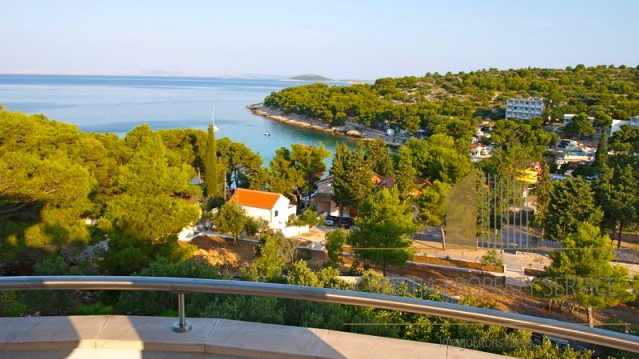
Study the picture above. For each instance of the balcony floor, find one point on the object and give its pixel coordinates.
(124, 337)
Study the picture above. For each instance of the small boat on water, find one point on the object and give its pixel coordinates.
(267, 134)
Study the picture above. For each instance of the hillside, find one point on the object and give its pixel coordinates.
(309, 77)
(434, 100)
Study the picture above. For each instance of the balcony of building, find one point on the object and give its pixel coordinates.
(123, 337)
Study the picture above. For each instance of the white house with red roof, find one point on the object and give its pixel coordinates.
(275, 208)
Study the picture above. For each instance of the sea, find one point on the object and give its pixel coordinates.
(117, 104)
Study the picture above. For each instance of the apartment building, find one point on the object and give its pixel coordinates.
(524, 108)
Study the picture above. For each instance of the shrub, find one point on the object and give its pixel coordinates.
(492, 258)
(309, 217)
(97, 308)
(10, 306)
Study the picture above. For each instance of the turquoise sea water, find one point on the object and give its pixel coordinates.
(119, 103)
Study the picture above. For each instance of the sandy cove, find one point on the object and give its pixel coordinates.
(350, 129)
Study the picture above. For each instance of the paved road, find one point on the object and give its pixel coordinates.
(517, 238)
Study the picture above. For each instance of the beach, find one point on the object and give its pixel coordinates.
(349, 129)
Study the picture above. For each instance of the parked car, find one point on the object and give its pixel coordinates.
(345, 222)
(330, 221)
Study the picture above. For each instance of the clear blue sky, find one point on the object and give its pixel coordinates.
(340, 39)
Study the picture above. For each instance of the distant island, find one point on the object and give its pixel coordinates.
(310, 77)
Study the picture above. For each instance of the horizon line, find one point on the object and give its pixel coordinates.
(168, 74)
(163, 73)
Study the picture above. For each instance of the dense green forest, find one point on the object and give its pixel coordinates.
(440, 103)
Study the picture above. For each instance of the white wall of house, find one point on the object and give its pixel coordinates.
(616, 124)
(258, 213)
(280, 213)
(278, 216)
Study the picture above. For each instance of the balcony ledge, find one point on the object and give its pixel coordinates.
(125, 337)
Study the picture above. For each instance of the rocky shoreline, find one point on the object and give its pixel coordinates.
(350, 129)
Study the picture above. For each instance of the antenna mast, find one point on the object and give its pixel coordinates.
(213, 119)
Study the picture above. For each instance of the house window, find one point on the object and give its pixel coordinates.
(276, 212)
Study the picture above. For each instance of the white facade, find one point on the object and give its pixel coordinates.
(524, 108)
(276, 216)
(616, 124)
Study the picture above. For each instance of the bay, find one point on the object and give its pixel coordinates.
(117, 104)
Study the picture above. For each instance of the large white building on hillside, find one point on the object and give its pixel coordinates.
(524, 108)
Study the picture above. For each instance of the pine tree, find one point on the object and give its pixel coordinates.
(604, 197)
(571, 203)
(352, 177)
(271, 258)
(586, 274)
(384, 221)
(339, 171)
(379, 157)
(335, 241)
(432, 203)
(212, 181)
(625, 199)
(601, 157)
(618, 197)
(406, 172)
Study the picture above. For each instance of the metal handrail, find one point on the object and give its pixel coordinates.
(182, 286)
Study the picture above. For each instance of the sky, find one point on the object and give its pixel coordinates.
(344, 39)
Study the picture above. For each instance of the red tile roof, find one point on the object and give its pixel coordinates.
(258, 199)
(379, 181)
(383, 182)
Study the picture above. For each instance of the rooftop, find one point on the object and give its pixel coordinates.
(378, 180)
(526, 99)
(257, 199)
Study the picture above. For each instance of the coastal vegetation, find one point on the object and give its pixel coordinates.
(62, 189)
(453, 103)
